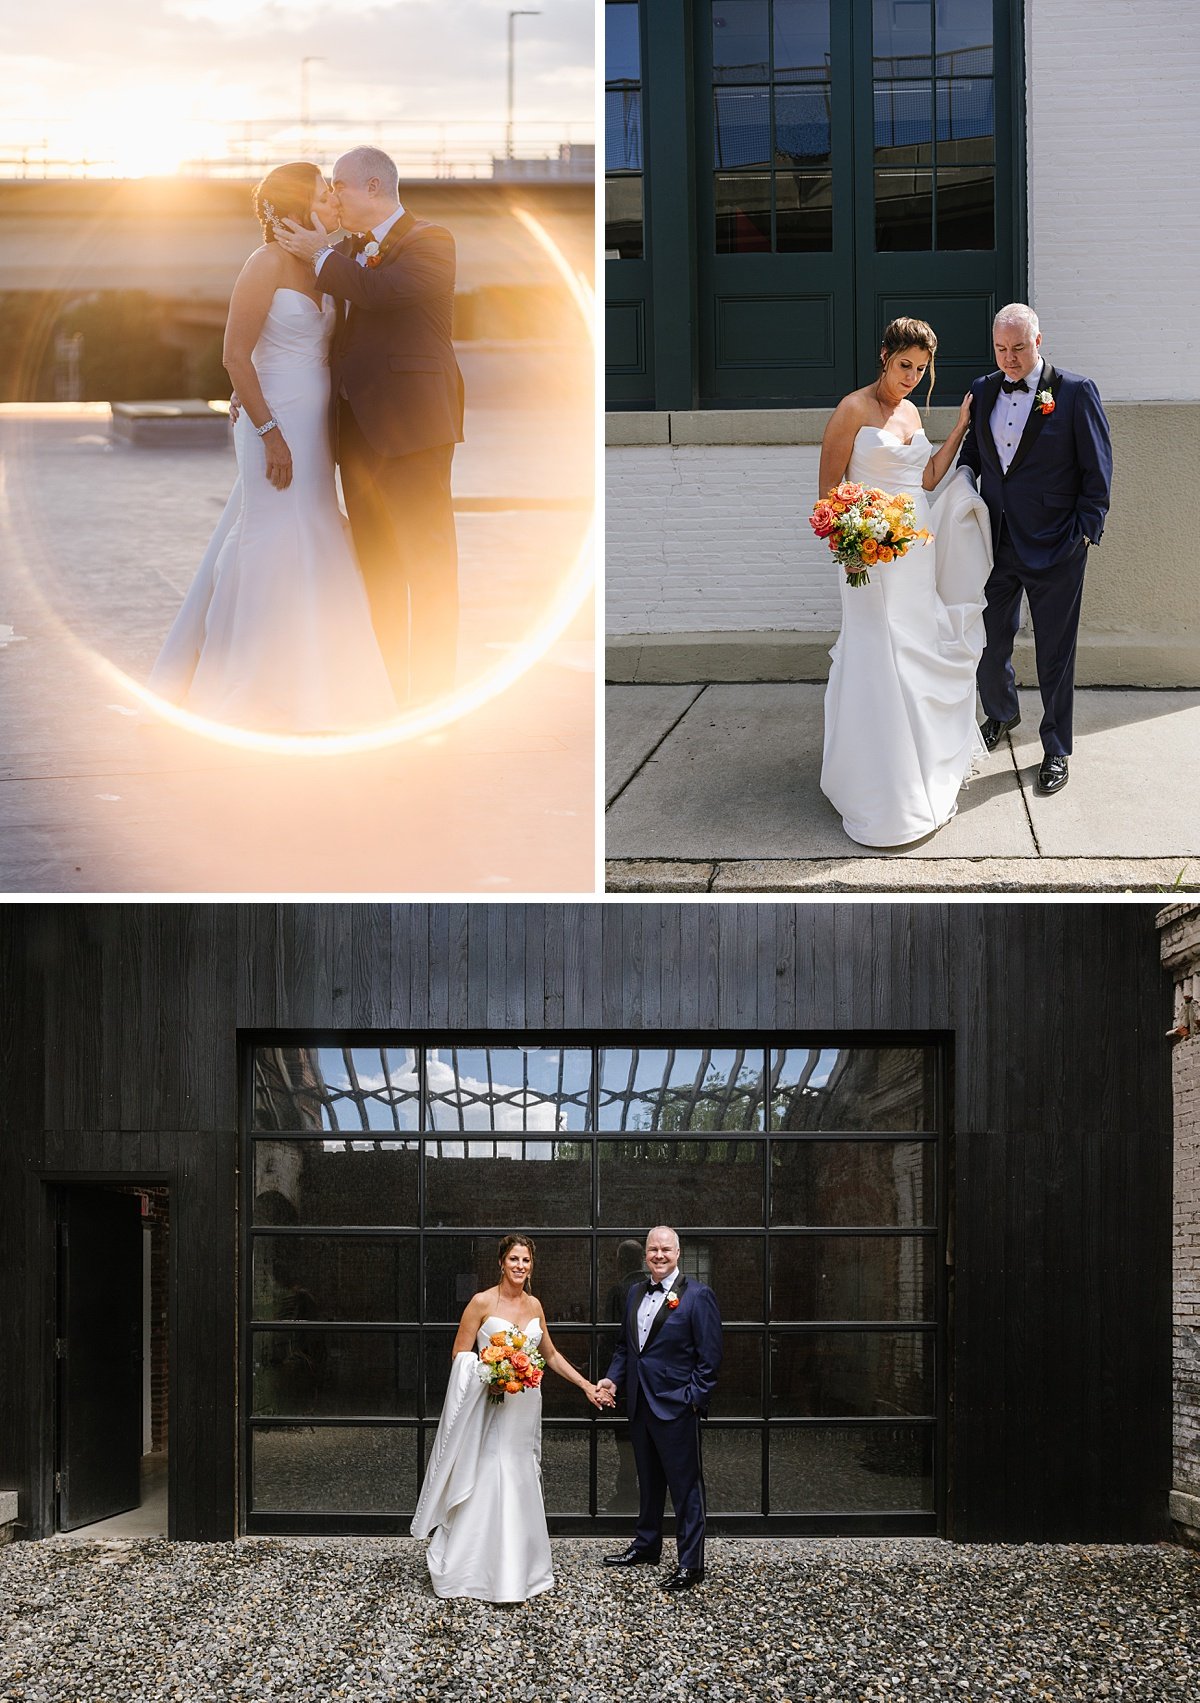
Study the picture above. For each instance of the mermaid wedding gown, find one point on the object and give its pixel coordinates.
(275, 631)
(481, 1503)
(900, 730)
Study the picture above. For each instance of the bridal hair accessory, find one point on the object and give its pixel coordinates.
(507, 1366)
(1045, 401)
(273, 219)
(865, 526)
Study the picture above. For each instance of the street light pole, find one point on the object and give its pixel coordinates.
(508, 133)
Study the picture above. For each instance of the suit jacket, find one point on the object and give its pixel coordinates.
(1056, 490)
(393, 351)
(677, 1369)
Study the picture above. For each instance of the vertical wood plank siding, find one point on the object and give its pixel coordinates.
(119, 1031)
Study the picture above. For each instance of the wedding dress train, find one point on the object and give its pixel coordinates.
(481, 1503)
(901, 736)
(275, 631)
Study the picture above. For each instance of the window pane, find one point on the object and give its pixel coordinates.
(964, 27)
(622, 48)
(833, 1374)
(903, 34)
(680, 1088)
(738, 1394)
(335, 1182)
(854, 1088)
(743, 220)
(966, 214)
(903, 122)
(333, 1372)
(356, 1469)
(801, 127)
(740, 41)
(457, 1267)
(624, 236)
(684, 1182)
(803, 213)
(732, 1266)
(852, 1277)
(616, 1471)
(732, 1470)
(327, 1277)
(965, 109)
(466, 1181)
(853, 1182)
(801, 41)
(622, 129)
(741, 128)
(509, 1088)
(335, 1088)
(852, 1469)
(566, 1470)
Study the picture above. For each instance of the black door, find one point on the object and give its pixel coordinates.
(100, 1355)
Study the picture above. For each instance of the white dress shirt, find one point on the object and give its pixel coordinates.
(378, 232)
(648, 1311)
(1011, 415)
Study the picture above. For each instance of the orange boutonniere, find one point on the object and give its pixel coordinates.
(372, 253)
(672, 1300)
(1045, 401)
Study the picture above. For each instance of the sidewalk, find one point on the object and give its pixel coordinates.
(98, 543)
(716, 788)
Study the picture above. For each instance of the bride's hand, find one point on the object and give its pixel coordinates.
(964, 414)
(279, 459)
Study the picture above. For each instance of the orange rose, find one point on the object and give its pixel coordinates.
(512, 1388)
(497, 1339)
(534, 1377)
(886, 554)
(822, 520)
(520, 1363)
(491, 1355)
(848, 493)
(869, 550)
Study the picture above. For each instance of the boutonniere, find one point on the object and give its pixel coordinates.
(1045, 401)
(672, 1299)
(371, 251)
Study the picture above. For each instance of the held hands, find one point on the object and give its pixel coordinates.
(304, 241)
(604, 1393)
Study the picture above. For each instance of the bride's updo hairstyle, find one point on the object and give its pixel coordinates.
(508, 1243)
(288, 191)
(909, 334)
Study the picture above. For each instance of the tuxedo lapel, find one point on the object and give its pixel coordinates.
(660, 1318)
(1033, 425)
(987, 402)
(387, 248)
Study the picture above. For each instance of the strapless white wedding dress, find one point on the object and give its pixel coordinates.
(275, 632)
(481, 1503)
(900, 729)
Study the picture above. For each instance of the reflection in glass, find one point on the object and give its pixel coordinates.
(741, 128)
(852, 1278)
(335, 1372)
(457, 1267)
(836, 1374)
(743, 215)
(335, 1182)
(903, 122)
(510, 1182)
(509, 1088)
(903, 211)
(965, 27)
(623, 218)
(801, 41)
(616, 1471)
(801, 127)
(335, 1088)
(566, 1470)
(853, 1469)
(622, 130)
(680, 1088)
(854, 1088)
(333, 1469)
(853, 1182)
(965, 110)
(903, 36)
(965, 207)
(622, 46)
(688, 1182)
(732, 1266)
(740, 41)
(330, 1277)
(738, 1393)
(803, 213)
(732, 1470)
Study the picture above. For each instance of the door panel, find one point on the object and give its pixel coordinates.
(100, 1366)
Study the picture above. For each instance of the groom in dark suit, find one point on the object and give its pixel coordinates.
(1038, 444)
(397, 413)
(666, 1363)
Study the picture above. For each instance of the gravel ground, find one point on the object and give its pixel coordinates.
(839, 1620)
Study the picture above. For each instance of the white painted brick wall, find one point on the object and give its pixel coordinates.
(1114, 213)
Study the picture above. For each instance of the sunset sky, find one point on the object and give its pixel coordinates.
(144, 80)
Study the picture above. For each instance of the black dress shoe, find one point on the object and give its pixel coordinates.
(1052, 776)
(993, 731)
(632, 1557)
(683, 1579)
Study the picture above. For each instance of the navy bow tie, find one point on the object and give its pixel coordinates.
(1009, 385)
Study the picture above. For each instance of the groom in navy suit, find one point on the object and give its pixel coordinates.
(1039, 446)
(666, 1363)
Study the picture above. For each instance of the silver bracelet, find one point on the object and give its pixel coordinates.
(272, 425)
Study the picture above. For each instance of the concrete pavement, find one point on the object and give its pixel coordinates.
(716, 788)
(99, 541)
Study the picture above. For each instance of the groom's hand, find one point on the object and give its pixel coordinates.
(304, 241)
(606, 1393)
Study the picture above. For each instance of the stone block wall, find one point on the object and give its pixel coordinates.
(1180, 926)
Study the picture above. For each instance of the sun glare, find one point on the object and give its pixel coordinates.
(136, 132)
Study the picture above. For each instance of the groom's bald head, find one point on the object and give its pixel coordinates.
(367, 187)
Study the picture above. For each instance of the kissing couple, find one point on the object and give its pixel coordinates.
(339, 350)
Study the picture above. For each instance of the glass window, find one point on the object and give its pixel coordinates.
(741, 37)
(685, 1182)
(624, 152)
(335, 1088)
(854, 1088)
(853, 1183)
(334, 1469)
(335, 1182)
(733, 1470)
(335, 1277)
(732, 1266)
(851, 1277)
(851, 1469)
(566, 1469)
(335, 1373)
(507, 1180)
(851, 1373)
(457, 1267)
(671, 1089)
(525, 1090)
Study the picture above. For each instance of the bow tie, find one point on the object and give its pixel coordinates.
(1009, 385)
(656, 1289)
(358, 243)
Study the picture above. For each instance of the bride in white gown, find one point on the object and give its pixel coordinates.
(481, 1503)
(275, 631)
(900, 727)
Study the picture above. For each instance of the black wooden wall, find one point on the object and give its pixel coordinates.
(119, 1053)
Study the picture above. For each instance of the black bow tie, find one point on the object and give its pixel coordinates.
(357, 244)
(1009, 385)
(656, 1289)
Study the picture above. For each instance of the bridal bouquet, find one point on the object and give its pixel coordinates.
(865, 526)
(507, 1365)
